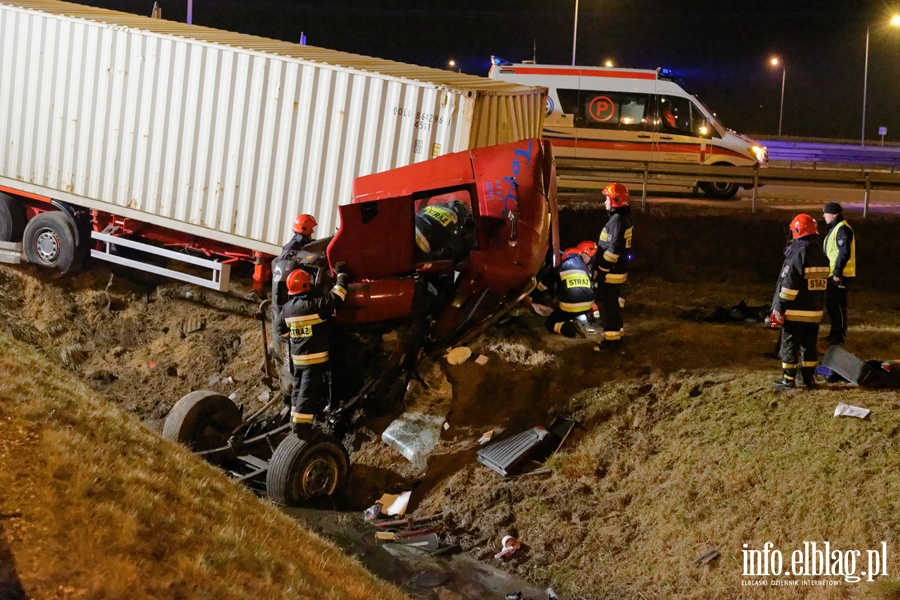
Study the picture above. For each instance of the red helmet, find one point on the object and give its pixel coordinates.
(588, 247)
(803, 225)
(298, 282)
(617, 194)
(571, 252)
(304, 224)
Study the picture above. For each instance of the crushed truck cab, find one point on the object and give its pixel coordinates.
(510, 192)
(437, 251)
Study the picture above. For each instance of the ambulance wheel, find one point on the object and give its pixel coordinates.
(202, 420)
(306, 468)
(12, 219)
(720, 190)
(49, 242)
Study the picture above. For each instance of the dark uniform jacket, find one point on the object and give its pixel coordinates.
(305, 318)
(294, 245)
(574, 290)
(800, 292)
(444, 231)
(611, 259)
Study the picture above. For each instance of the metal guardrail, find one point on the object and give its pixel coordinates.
(577, 173)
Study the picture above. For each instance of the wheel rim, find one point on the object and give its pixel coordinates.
(721, 187)
(47, 244)
(318, 477)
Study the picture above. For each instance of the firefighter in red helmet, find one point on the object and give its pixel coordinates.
(305, 322)
(573, 293)
(303, 228)
(611, 264)
(798, 302)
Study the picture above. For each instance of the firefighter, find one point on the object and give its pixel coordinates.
(797, 304)
(444, 230)
(304, 227)
(573, 293)
(305, 323)
(840, 248)
(611, 264)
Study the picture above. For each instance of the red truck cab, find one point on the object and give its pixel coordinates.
(510, 192)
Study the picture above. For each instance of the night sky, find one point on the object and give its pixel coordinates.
(719, 48)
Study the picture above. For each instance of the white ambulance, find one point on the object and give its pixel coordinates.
(632, 114)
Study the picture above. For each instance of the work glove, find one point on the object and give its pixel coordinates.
(776, 319)
(340, 267)
(343, 280)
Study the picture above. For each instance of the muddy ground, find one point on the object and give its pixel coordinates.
(144, 344)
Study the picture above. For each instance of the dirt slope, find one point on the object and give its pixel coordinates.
(656, 473)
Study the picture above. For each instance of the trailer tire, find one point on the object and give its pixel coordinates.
(202, 420)
(49, 243)
(12, 219)
(303, 469)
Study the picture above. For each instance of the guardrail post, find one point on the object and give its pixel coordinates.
(755, 186)
(644, 187)
(866, 197)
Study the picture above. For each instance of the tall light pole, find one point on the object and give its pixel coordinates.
(575, 33)
(775, 62)
(895, 21)
(190, 14)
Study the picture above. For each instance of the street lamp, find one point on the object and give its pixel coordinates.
(190, 12)
(608, 63)
(575, 33)
(452, 65)
(895, 21)
(775, 62)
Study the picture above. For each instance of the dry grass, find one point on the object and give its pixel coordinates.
(92, 505)
(668, 467)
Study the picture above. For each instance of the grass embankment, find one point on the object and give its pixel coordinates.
(669, 467)
(92, 505)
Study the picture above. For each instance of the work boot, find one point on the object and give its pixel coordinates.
(608, 346)
(787, 380)
(580, 328)
(809, 377)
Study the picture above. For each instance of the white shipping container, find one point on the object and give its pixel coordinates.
(218, 134)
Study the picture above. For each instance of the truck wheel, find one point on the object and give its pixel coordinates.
(303, 469)
(12, 219)
(202, 420)
(719, 190)
(49, 243)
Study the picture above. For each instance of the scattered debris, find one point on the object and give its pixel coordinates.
(871, 373)
(394, 504)
(508, 546)
(551, 594)
(414, 435)
(507, 456)
(485, 437)
(408, 522)
(846, 410)
(739, 313)
(706, 558)
(458, 355)
(191, 326)
(372, 512)
(481, 360)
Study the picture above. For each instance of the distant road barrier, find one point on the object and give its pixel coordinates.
(848, 154)
(575, 173)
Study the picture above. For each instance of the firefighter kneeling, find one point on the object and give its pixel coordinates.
(305, 322)
(799, 298)
(574, 293)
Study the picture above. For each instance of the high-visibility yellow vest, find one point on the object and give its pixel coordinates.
(831, 250)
